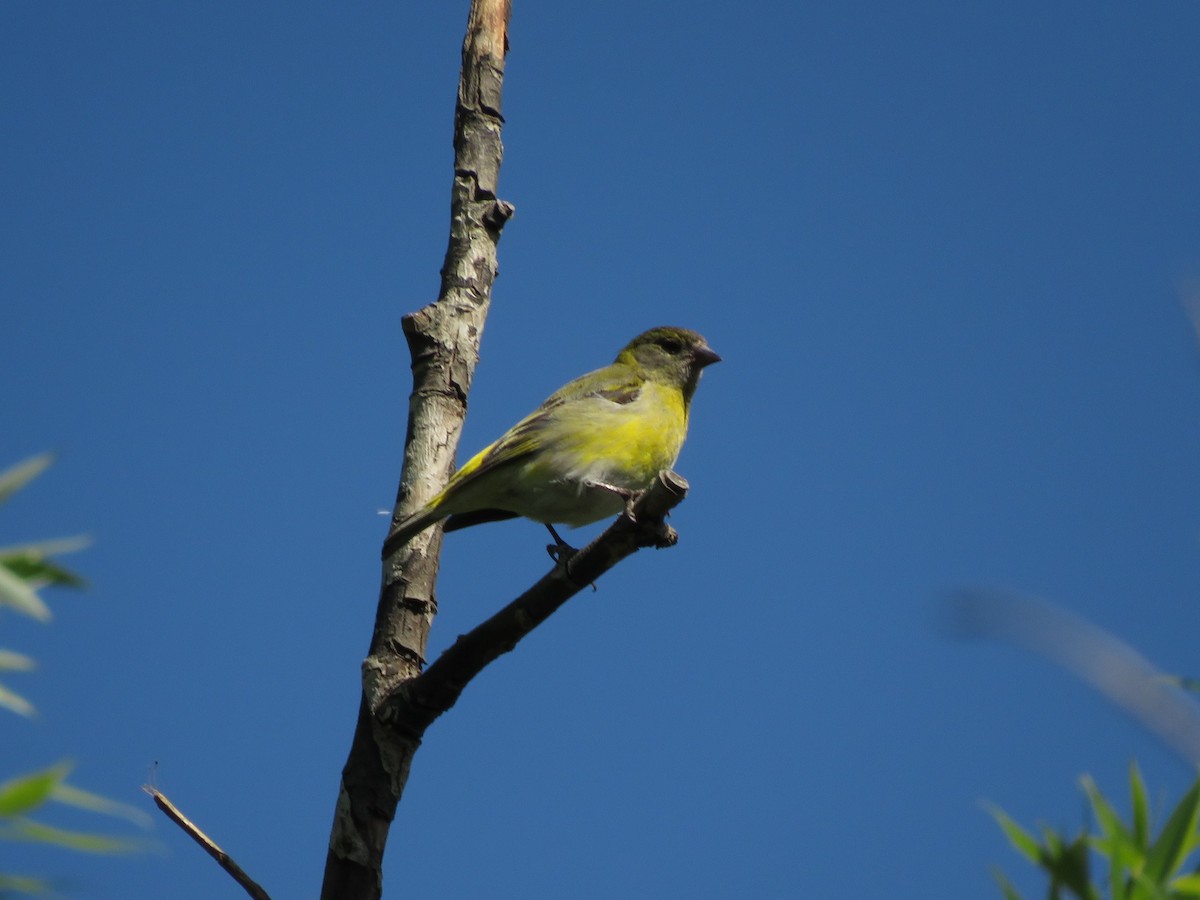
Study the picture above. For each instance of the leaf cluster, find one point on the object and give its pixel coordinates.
(1137, 864)
(26, 569)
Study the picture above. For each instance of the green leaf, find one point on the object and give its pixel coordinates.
(1024, 842)
(1006, 886)
(23, 884)
(12, 480)
(1055, 848)
(1183, 682)
(26, 792)
(72, 796)
(11, 661)
(1070, 867)
(47, 548)
(36, 832)
(1170, 849)
(20, 596)
(1118, 845)
(1110, 822)
(1145, 889)
(1141, 809)
(41, 572)
(1118, 858)
(1187, 885)
(14, 702)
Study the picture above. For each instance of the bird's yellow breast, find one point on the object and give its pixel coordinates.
(625, 444)
(571, 453)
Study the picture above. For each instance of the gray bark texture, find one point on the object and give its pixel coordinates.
(401, 697)
(443, 339)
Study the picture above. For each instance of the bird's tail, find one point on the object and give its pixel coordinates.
(410, 528)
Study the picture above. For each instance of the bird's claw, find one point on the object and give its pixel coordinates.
(559, 547)
(562, 553)
(630, 497)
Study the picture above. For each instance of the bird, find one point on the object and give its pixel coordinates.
(586, 452)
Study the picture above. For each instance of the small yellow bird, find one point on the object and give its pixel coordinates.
(586, 451)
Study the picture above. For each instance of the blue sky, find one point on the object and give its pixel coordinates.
(941, 253)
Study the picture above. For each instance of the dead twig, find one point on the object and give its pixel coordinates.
(249, 885)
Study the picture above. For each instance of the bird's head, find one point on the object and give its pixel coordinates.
(673, 355)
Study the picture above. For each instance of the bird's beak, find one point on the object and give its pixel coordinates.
(705, 356)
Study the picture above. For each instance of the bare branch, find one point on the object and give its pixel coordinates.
(417, 703)
(398, 701)
(249, 885)
(443, 340)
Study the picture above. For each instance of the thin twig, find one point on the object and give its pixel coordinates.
(223, 859)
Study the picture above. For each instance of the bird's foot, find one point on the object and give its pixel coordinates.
(561, 552)
(630, 497)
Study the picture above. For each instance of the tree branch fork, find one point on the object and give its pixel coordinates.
(409, 706)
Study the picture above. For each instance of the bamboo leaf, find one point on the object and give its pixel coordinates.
(1024, 842)
(40, 572)
(72, 796)
(1141, 808)
(1171, 847)
(1117, 853)
(14, 702)
(36, 832)
(1006, 887)
(16, 477)
(23, 884)
(1187, 885)
(11, 661)
(26, 792)
(16, 593)
(1118, 844)
(1184, 683)
(1070, 867)
(1110, 822)
(46, 548)
(1145, 889)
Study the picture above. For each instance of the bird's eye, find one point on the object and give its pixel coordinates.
(670, 344)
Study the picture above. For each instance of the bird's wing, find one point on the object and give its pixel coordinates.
(619, 384)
